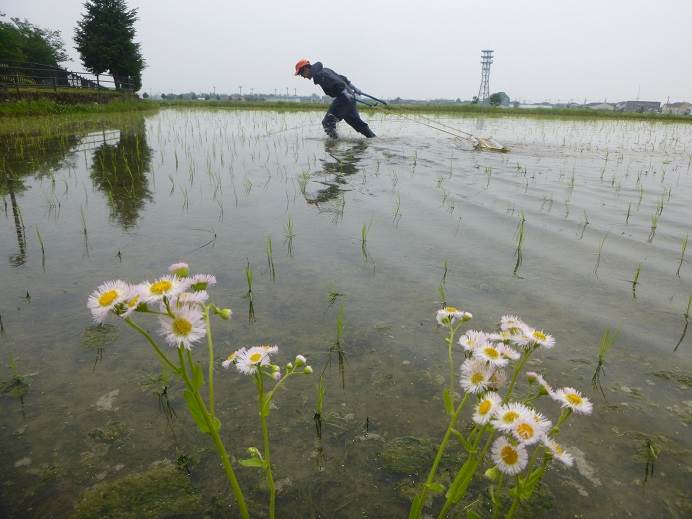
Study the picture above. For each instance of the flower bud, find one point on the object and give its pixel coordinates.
(224, 313)
(289, 366)
(300, 361)
(276, 376)
(307, 370)
(492, 474)
(180, 270)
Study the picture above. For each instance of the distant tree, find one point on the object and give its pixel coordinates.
(163, 96)
(23, 41)
(499, 98)
(474, 101)
(105, 41)
(145, 96)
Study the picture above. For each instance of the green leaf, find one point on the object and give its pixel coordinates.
(447, 398)
(197, 413)
(416, 507)
(436, 488)
(197, 376)
(473, 515)
(529, 485)
(462, 480)
(252, 462)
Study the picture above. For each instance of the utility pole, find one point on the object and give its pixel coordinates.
(286, 91)
(240, 87)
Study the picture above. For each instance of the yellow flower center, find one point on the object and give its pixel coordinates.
(491, 352)
(539, 335)
(161, 287)
(509, 455)
(525, 431)
(559, 449)
(133, 302)
(107, 298)
(451, 309)
(574, 398)
(181, 326)
(232, 356)
(477, 378)
(484, 407)
(510, 416)
(255, 357)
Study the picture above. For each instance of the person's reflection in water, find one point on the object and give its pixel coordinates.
(119, 170)
(341, 161)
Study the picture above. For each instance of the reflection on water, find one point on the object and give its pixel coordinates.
(98, 408)
(119, 171)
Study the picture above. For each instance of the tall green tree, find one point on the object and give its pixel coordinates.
(105, 40)
(23, 41)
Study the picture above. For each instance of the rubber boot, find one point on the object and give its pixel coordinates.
(329, 125)
(368, 133)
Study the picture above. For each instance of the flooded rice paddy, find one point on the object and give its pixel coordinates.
(606, 207)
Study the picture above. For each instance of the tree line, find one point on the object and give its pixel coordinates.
(104, 38)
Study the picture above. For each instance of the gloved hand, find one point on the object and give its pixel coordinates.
(355, 89)
(346, 92)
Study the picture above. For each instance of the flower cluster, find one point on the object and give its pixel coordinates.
(257, 359)
(177, 298)
(484, 372)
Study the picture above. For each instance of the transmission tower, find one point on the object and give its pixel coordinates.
(484, 90)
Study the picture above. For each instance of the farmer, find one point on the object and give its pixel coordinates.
(344, 94)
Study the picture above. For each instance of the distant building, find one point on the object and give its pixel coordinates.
(638, 106)
(600, 106)
(682, 108)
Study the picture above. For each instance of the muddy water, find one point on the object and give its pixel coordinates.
(210, 187)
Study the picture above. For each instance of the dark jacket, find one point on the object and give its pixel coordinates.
(331, 82)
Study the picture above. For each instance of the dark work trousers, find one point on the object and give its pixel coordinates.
(344, 108)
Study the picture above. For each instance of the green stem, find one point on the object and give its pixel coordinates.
(441, 449)
(153, 344)
(214, 433)
(497, 501)
(450, 343)
(210, 347)
(265, 440)
(524, 357)
(515, 502)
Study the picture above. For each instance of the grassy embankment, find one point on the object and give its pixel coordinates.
(446, 109)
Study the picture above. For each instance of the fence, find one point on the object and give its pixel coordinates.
(19, 76)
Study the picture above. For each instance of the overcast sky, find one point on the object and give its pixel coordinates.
(544, 49)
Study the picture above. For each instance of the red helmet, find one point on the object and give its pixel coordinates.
(299, 66)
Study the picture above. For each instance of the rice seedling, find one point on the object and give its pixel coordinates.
(397, 209)
(683, 249)
(598, 255)
(319, 407)
(654, 224)
(607, 342)
(303, 180)
(629, 211)
(635, 280)
(2, 326)
(649, 452)
(441, 290)
(15, 385)
(585, 223)
(520, 242)
(364, 230)
(43, 249)
(289, 234)
(249, 277)
(686, 316)
(337, 347)
(270, 259)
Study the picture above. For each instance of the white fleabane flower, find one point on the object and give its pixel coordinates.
(166, 286)
(540, 338)
(570, 397)
(249, 360)
(475, 375)
(526, 429)
(232, 358)
(486, 407)
(557, 451)
(512, 324)
(537, 378)
(181, 269)
(491, 354)
(183, 329)
(202, 281)
(510, 459)
(105, 298)
(450, 315)
(133, 298)
(472, 339)
(497, 379)
(191, 298)
(507, 414)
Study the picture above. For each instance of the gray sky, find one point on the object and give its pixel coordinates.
(544, 49)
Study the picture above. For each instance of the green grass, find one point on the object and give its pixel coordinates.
(34, 107)
(451, 109)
